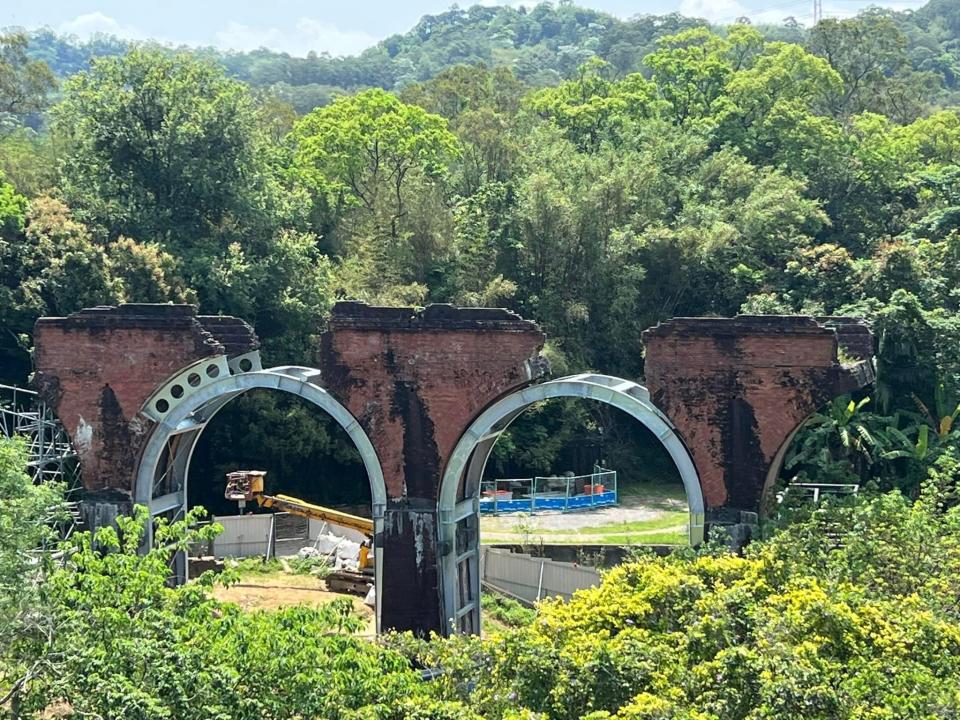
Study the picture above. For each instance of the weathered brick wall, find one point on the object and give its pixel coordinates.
(736, 389)
(415, 380)
(97, 367)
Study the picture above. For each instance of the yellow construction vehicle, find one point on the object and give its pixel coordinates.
(244, 486)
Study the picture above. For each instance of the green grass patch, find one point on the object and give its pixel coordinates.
(667, 519)
(658, 538)
(256, 570)
(506, 611)
(654, 494)
(614, 538)
(310, 565)
(255, 566)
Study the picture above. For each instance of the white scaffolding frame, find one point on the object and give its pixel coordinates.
(50, 456)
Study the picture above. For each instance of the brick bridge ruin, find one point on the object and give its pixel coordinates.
(424, 394)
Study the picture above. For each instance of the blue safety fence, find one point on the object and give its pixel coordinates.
(557, 493)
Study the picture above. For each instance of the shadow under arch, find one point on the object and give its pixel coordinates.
(459, 496)
(161, 477)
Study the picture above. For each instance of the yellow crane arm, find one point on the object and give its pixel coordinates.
(246, 485)
(296, 506)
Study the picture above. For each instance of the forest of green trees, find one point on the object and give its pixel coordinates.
(595, 174)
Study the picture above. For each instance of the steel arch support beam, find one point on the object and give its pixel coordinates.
(196, 410)
(469, 457)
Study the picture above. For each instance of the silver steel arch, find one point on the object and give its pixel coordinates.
(161, 479)
(459, 503)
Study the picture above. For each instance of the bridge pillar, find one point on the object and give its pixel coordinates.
(97, 367)
(415, 380)
(738, 388)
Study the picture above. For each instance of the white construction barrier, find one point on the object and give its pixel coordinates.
(250, 535)
(533, 578)
(242, 536)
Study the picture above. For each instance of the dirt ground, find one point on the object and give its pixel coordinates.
(276, 590)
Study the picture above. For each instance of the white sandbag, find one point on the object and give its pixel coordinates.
(327, 544)
(344, 554)
(351, 564)
(348, 550)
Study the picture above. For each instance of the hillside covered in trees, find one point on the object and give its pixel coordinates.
(542, 44)
(713, 171)
(595, 174)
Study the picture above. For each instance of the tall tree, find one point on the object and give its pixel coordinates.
(363, 150)
(26, 624)
(159, 147)
(368, 160)
(870, 53)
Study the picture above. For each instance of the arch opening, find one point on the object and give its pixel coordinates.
(595, 474)
(162, 475)
(459, 497)
(303, 451)
(813, 459)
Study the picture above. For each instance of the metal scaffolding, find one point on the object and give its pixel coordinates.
(50, 456)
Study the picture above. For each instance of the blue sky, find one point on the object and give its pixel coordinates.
(298, 26)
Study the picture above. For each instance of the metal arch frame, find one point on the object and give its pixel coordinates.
(190, 416)
(469, 458)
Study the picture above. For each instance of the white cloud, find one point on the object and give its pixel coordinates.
(308, 34)
(511, 3)
(776, 17)
(727, 11)
(844, 11)
(84, 26)
(716, 11)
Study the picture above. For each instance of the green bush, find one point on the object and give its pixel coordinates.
(127, 645)
(863, 623)
(310, 565)
(506, 610)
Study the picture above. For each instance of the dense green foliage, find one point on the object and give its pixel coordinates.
(790, 631)
(594, 174)
(26, 527)
(506, 611)
(849, 611)
(122, 643)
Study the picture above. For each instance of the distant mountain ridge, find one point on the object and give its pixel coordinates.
(543, 45)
